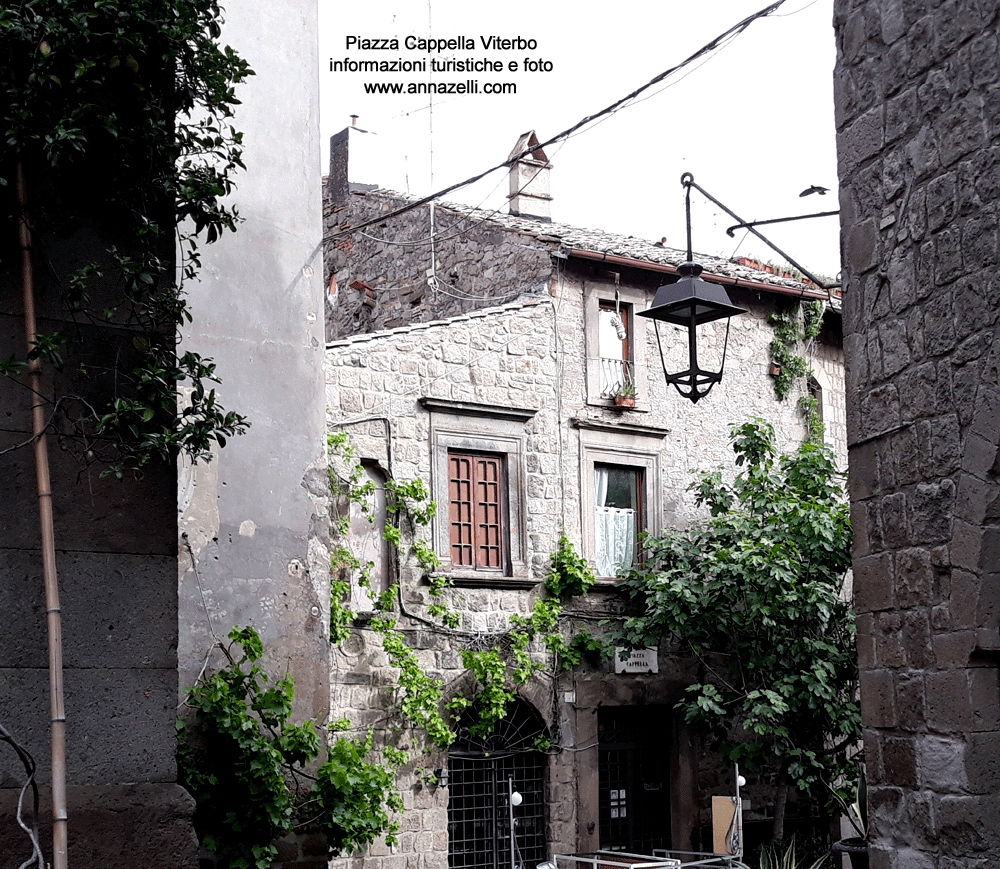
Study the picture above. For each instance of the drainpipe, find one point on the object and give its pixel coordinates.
(58, 711)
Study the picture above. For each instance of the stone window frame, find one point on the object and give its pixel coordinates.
(632, 299)
(468, 427)
(629, 445)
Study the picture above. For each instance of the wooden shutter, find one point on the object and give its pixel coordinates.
(475, 496)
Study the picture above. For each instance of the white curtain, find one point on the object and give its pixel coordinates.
(614, 531)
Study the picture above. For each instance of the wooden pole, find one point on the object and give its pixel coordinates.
(54, 615)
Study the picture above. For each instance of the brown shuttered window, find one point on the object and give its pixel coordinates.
(476, 510)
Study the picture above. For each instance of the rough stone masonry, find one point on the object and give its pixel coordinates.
(917, 89)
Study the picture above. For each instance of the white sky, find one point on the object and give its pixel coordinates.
(754, 123)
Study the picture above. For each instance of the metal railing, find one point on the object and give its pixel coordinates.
(661, 858)
(697, 858)
(614, 860)
(616, 374)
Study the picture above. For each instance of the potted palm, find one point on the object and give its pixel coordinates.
(856, 847)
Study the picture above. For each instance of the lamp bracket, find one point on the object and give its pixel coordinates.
(687, 181)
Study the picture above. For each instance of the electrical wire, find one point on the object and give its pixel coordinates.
(488, 214)
(589, 119)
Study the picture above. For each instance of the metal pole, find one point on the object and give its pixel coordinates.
(58, 711)
(687, 179)
(510, 807)
(738, 820)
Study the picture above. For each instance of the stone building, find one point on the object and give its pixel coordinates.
(918, 103)
(482, 348)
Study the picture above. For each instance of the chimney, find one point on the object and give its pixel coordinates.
(355, 158)
(529, 180)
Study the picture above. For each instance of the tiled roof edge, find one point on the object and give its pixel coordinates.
(567, 236)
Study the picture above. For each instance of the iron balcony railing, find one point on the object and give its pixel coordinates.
(616, 375)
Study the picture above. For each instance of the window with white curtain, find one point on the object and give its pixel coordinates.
(617, 517)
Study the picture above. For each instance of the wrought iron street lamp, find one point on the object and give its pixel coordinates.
(691, 302)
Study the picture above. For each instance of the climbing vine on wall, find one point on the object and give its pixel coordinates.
(497, 670)
(795, 328)
(247, 765)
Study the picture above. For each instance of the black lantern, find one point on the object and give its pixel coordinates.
(690, 302)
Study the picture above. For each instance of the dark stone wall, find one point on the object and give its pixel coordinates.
(370, 274)
(917, 89)
(116, 558)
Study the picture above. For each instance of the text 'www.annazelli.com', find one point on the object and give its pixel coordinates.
(470, 86)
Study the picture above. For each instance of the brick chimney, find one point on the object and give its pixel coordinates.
(529, 180)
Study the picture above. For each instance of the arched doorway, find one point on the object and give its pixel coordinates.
(481, 771)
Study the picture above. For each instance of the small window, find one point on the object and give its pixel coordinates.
(477, 510)
(618, 511)
(367, 526)
(816, 392)
(614, 346)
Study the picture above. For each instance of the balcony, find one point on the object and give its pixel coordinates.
(617, 375)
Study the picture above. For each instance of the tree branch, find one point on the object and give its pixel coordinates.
(28, 762)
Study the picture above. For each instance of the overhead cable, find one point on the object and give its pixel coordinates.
(510, 161)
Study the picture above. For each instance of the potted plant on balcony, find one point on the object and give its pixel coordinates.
(625, 395)
(856, 847)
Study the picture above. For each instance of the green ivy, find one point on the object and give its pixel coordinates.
(119, 115)
(409, 505)
(789, 334)
(809, 408)
(498, 672)
(812, 320)
(784, 350)
(569, 574)
(245, 764)
(356, 795)
(421, 694)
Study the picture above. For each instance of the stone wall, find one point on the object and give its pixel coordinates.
(918, 103)
(377, 278)
(117, 585)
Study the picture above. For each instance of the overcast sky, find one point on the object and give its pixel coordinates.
(753, 123)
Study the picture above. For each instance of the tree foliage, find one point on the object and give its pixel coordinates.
(754, 593)
(119, 114)
(245, 762)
